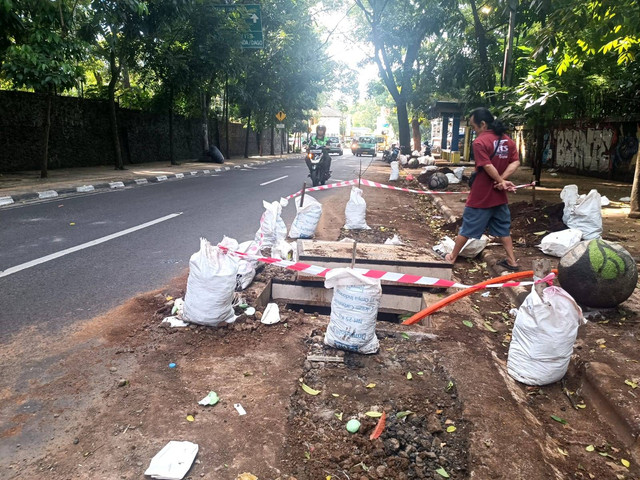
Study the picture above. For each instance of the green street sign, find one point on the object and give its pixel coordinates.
(253, 38)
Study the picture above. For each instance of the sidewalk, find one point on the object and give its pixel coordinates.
(27, 185)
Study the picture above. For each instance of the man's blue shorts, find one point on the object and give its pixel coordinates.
(476, 220)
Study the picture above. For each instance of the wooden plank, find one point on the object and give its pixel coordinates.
(325, 358)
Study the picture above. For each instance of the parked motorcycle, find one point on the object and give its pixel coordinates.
(319, 164)
(427, 149)
(390, 155)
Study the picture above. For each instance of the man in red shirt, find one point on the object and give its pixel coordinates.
(496, 158)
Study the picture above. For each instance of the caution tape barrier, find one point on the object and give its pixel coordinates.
(379, 274)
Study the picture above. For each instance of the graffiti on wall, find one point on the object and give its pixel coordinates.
(584, 149)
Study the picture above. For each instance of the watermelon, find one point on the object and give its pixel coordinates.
(598, 273)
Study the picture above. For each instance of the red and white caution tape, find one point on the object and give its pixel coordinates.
(379, 274)
(369, 183)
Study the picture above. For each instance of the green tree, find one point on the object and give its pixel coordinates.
(44, 54)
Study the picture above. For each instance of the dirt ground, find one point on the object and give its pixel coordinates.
(99, 400)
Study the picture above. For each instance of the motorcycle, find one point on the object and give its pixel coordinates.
(319, 163)
(427, 149)
(390, 155)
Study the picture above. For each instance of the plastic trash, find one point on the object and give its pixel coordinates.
(272, 227)
(354, 311)
(356, 211)
(250, 311)
(543, 336)
(470, 250)
(458, 172)
(395, 171)
(283, 250)
(172, 365)
(583, 212)
(240, 409)
(211, 399)
(247, 266)
(395, 240)
(604, 201)
(452, 178)
(211, 284)
(625, 199)
(271, 314)
(307, 218)
(559, 243)
(352, 425)
(174, 322)
(173, 461)
(178, 306)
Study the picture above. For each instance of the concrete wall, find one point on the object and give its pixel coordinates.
(607, 149)
(80, 134)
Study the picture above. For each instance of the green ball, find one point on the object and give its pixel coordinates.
(353, 425)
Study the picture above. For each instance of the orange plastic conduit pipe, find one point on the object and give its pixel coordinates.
(467, 291)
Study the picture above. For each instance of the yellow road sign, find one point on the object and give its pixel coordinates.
(281, 116)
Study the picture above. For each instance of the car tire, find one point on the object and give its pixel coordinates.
(341, 153)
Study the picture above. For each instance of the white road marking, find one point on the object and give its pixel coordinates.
(274, 180)
(61, 253)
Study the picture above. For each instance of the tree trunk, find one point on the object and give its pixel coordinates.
(404, 133)
(259, 142)
(205, 124)
(539, 150)
(113, 115)
(507, 66)
(225, 113)
(488, 80)
(246, 138)
(216, 131)
(44, 168)
(172, 153)
(635, 190)
(272, 150)
(417, 138)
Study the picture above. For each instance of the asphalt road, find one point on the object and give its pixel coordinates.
(91, 280)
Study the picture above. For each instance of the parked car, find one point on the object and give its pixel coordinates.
(366, 146)
(335, 146)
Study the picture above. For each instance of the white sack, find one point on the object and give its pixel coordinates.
(283, 250)
(543, 337)
(403, 159)
(582, 212)
(307, 217)
(211, 284)
(452, 178)
(395, 171)
(247, 266)
(272, 227)
(354, 310)
(415, 153)
(470, 250)
(173, 461)
(458, 172)
(559, 243)
(356, 211)
(430, 168)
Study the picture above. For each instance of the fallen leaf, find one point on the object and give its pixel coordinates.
(403, 414)
(442, 472)
(373, 414)
(633, 385)
(589, 448)
(338, 416)
(190, 418)
(310, 390)
(405, 336)
(540, 233)
(449, 386)
(409, 376)
(559, 420)
(600, 341)
(72, 223)
(625, 462)
(468, 323)
(420, 373)
(581, 405)
(563, 452)
(168, 298)
(245, 476)
(488, 326)
(335, 395)
(379, 427)
(438, 412)
(371, 385)
(247, 374)
(307, 455)
(451, 429)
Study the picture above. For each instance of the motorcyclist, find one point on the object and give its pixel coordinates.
(320, 139)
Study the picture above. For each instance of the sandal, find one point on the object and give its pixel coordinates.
(505, 264)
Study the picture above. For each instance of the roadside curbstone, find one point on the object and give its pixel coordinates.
(6, 200)
(47, 194)
(85, 188)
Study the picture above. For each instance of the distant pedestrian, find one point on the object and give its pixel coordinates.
(496, 158)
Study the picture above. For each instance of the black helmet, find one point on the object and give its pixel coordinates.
(321, 127)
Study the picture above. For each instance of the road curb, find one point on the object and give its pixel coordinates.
(133, 182)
